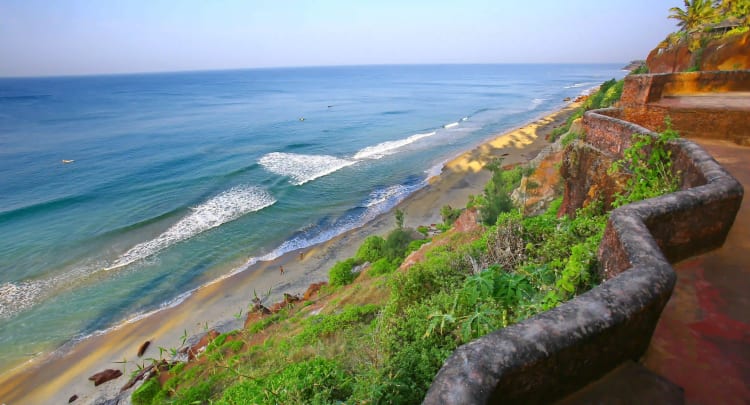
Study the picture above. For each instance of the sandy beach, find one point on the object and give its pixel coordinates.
(222, 305)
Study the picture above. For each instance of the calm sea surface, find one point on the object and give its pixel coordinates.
(181, 178)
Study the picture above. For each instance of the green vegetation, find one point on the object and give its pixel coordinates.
(648, 161)
(316, 381)
(449, 214)
(496, 198)
(341, 273)
(643, 69)
(606, 96)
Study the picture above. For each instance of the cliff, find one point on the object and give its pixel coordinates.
(721, 53)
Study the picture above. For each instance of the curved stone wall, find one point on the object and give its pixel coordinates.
(559, 351)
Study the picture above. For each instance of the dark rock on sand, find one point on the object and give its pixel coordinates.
(72, 399)
(104, 376)
(143, 348)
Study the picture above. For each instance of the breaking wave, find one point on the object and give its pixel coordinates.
(302, 168)
(223, 208)
(536, 103)
(389, 147)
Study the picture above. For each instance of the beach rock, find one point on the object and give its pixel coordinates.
(468, 221)
(199, 347)
(566, 99)
(143, 348)
(289, 298)
(313, 290)
(104, 376)
(261, 309)
(72, 399)
(362, 267)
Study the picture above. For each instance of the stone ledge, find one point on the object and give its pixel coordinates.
(559, 351)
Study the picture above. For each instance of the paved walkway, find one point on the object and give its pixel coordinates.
(702, 340)
(724, 101)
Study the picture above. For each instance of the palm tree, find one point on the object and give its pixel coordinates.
(736, 8)
(695, 14)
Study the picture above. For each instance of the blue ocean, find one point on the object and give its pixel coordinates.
(119, 194)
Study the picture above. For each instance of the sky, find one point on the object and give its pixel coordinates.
(75, 37)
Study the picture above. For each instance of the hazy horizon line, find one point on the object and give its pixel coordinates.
(228, 69)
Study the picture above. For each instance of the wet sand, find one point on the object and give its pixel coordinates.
(222, 305)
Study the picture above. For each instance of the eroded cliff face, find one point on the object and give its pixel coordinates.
(588, 180)
(731, 53)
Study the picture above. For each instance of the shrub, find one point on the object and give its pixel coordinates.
(649, 162)
(396, 244)
(316, 381)
(372, 249)
(613, 94)
(449, 214)
(341, 272)
(416, 244)
(497, 191)
(145, 394)
(399, 214)
(383, 266)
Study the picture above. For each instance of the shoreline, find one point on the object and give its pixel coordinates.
(53, 379)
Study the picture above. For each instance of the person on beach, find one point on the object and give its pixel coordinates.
(281, 270)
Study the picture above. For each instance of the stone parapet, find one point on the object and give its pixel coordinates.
(561, 350)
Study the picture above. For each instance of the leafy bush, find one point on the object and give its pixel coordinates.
(372, 249)
(341, 273)
(396, 244)
(570, 137)
(383, 266)
(497, 191)
(613, 94)
(416, 244)
(649, 162)
(643, 69)
(449, 214)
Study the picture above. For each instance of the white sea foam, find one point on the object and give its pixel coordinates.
(223, 208)
(384, 195)
(589, 90)
(577, 85)
(536, 103)
(302, 168)
(451, 125)
(389, 147)
(16, 297)
(435, 170)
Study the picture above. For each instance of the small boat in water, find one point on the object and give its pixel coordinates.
(66, 161)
